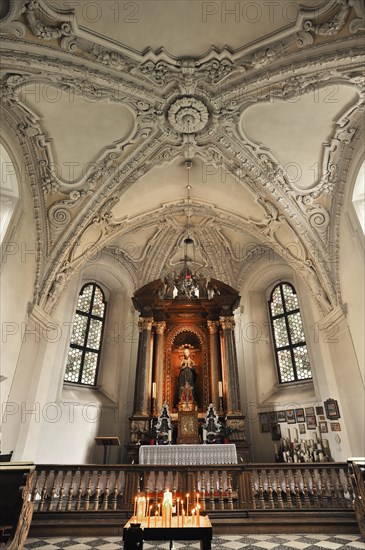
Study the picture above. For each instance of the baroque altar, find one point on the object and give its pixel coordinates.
(186, 360)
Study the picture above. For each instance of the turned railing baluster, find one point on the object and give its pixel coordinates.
(79, 492)
(297, 500)
(88, 491)
(220, 489)
(212, 504)
(287, 489)
(229, 490)
(269, 489)
(62, 491)
(97, 490)
(52, 493)
(253, 490)
(203, 490)
(70, 491)
(44, 491)
(115, 491)
(106, 491)
(261, 490)
(305, 488)
(278, 490)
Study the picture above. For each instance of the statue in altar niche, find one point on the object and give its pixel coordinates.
(187, 376)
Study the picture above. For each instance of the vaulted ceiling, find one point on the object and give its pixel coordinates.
(118, 106)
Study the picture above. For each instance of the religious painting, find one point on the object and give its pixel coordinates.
(290, 416)
(264, 423)
(302, 429)
(299, 415)
(323, 427)
(311, 421)
(335, 427)
(281, 416)
(273, 417)
(309, 411)
(332, 410)
(319, 411)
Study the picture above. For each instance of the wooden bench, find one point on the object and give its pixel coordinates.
(16, 509)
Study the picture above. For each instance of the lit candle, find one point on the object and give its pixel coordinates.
(135, 507)
(149, 517)
(204, 434)
(177, 510)
(147, 505)
(192, 516)
(182, 517)
(154, 390)
(169, 436)
(220, 389)
(156, 514)
(141, 508)
(198, 514)
(197, 498)
(159, 506)
(295, 435)
(187, 505)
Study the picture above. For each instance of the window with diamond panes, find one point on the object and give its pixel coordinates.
(87, 330)
(288, 335)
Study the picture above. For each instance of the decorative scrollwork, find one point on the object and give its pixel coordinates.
(188, 115)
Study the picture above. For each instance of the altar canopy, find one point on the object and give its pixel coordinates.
(188, 454)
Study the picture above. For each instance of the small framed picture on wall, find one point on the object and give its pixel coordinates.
(281, 416)
(302, 429)
(309, 411)
(273, 417)
(264, 422)
(323, 427)
(311, 421)
(290, 416)
(335, 426)
(332, 410)
(299, 415)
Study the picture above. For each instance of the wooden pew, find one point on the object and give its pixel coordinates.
(16, 509)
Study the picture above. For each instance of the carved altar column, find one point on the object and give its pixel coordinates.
(215, 374)
(144, 368)
(159, 350)
(230, 367)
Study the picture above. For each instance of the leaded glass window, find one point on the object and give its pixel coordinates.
(288, 335)
(87, 331)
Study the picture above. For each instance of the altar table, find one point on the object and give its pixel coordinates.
(188, 454)
(204, 533)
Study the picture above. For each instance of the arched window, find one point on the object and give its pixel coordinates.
(288, 334)
(87, 330)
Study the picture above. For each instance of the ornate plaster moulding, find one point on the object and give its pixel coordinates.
(187, 114)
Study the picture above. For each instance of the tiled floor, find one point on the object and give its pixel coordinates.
(227, 542)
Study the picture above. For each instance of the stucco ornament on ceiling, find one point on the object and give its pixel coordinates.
(188, 114)
(177, 108)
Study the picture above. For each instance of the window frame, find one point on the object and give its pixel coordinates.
(84, 348)
(290, 346)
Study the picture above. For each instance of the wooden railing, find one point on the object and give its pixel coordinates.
(105, 488)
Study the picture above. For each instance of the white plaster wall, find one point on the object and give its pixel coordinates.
(17, 283)
(58, 422)
(258, 369)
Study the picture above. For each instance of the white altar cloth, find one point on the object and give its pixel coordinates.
(188, 454)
